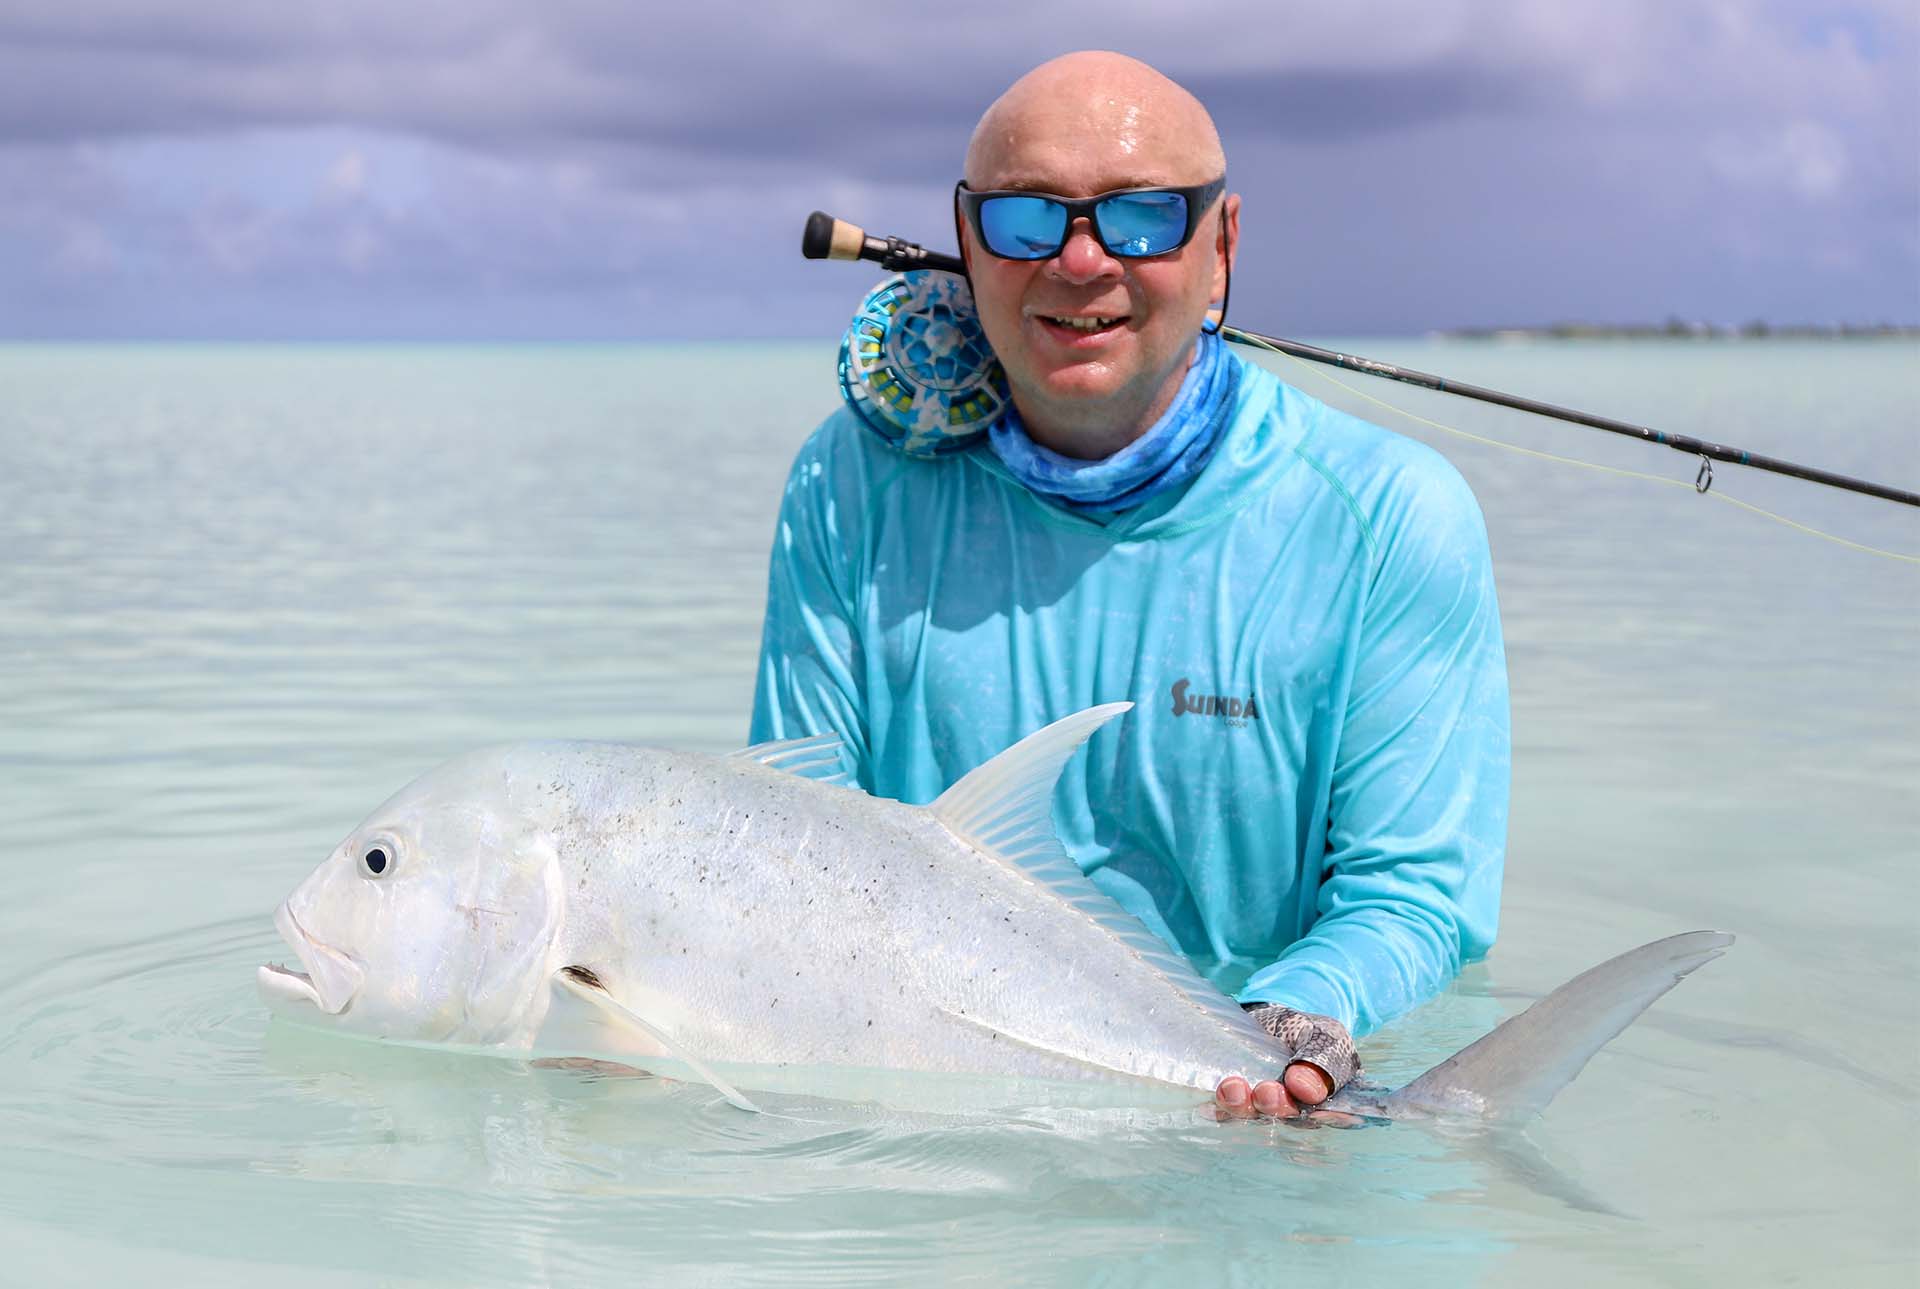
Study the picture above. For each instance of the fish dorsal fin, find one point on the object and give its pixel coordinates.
(1513, 1072)
(1004, 810)
(583, 984)
(818, 757)
(1005, 807)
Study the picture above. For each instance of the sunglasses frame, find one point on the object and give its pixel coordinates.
(1199, 199)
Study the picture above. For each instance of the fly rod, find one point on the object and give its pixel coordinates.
(827, 238)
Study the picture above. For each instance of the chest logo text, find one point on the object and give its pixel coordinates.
(1234, 710)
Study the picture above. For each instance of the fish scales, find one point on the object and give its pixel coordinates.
(779, 922)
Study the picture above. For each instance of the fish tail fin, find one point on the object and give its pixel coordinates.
(1513, 1072)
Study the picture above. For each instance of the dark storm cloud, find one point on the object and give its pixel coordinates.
(752, 81)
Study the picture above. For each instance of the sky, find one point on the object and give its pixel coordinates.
(588, 169)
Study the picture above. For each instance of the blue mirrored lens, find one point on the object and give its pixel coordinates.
(1022, 228)
(1142, 223)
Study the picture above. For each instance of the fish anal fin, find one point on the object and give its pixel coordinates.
(583, 1015)
(998, 1032)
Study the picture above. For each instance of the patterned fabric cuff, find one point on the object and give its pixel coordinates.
(1320, 1041)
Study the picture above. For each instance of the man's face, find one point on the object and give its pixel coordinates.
(1114, 376)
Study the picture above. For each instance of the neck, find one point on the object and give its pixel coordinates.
(1093, 429)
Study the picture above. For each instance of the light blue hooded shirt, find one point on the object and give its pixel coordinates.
(1309, 798)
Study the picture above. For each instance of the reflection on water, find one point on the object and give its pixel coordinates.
(151, 1063)
(248, 593)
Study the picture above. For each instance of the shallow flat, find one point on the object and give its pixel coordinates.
(249, 591)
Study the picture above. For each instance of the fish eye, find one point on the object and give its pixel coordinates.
(376, 858)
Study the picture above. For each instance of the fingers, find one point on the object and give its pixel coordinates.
(1307, 1085)
(1234, 1098)
(1237, 1100)
(1271, 1099)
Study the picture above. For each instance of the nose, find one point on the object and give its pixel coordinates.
(1082, 258)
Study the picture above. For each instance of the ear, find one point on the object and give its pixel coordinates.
(1226, 245)
(1226, 242)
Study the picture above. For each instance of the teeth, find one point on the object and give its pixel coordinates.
(1085, 324)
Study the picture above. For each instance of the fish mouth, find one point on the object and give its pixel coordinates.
(331, 978)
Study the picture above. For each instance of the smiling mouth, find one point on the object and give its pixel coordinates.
(330, 980)
(1089, 325)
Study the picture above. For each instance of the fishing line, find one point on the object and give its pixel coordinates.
(908, 375)
(1257, 342)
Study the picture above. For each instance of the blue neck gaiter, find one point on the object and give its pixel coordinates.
(1166, 456)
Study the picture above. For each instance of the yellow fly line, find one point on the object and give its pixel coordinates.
(1664, 480)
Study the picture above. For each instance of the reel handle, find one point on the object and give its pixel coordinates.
(827, 238)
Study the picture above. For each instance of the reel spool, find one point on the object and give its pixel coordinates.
(916, 367)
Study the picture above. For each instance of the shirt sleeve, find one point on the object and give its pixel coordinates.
(1416, 840)
(809, 679)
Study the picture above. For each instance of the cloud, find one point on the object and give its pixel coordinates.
(490, 167)
(348, 174)
(767, 80)
(1801, 157)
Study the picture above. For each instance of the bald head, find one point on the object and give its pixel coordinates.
(1095, 344)
(1098, 118)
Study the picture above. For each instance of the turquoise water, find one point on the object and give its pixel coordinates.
(247, 592)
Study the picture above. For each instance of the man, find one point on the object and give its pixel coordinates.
(1309, 798)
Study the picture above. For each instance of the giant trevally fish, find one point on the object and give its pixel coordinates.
(752, 912)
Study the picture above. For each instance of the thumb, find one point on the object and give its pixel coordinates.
(1307, 1085)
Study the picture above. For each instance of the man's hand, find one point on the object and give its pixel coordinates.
(1324, 1061)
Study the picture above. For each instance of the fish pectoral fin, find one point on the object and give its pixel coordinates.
(574, 987)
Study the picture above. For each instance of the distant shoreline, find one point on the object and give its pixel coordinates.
(1346, 338)
(1680, 329)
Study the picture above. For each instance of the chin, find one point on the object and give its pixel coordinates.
(1089, 381)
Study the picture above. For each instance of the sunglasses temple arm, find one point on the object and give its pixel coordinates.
(827, 238)
(1217, 317)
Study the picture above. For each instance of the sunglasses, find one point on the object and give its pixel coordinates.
(1132, 223)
